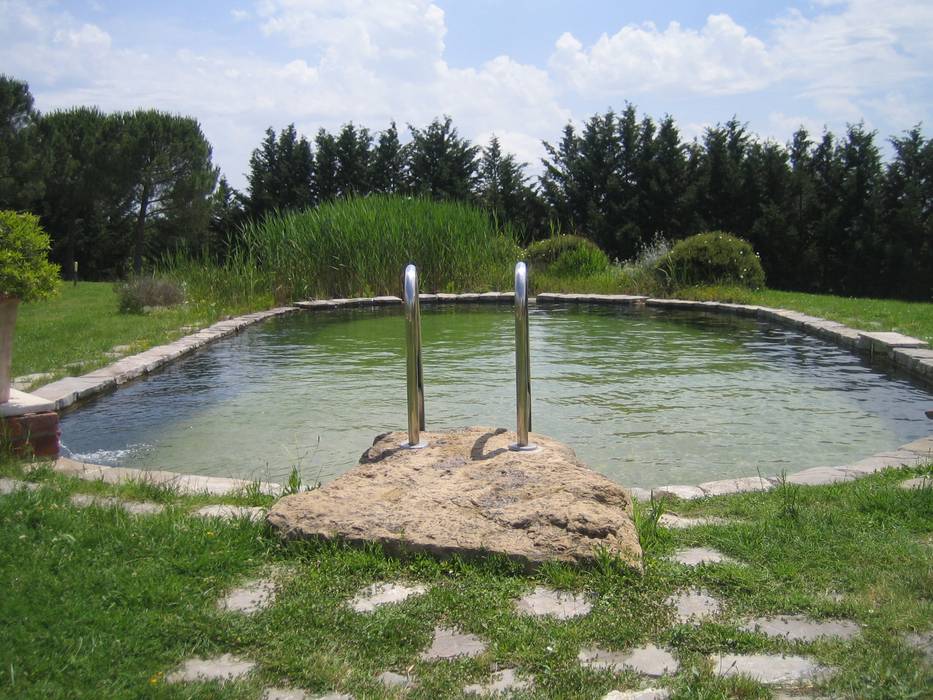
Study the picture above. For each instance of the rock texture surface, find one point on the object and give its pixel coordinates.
(467, 493)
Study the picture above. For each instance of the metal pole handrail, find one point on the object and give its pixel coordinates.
(415, 376)
(522, 360)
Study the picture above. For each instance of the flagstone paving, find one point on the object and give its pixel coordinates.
(391, 679)
(677, 522)
(694, 556)
(648, 660)
(644, 694)
(501, 682)
(800, 628)
(222, 669)
(379, 594)
(10, 485)
(249, 598)
(921, 482)
(449, 643)
(694, 605)
(227, 512)
(922, 642)
(284, 694)
(768, 668)
(550, 603)
(84, 500)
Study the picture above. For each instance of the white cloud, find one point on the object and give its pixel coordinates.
(370, 61)
(719, 59)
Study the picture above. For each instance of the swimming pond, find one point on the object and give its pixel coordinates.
(647, 397)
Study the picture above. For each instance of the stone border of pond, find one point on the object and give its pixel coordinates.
(903, 352)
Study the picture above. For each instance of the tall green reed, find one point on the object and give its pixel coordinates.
(359, 246)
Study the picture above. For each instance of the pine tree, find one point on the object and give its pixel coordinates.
(389, 163)
(281, 173)
(441, 164)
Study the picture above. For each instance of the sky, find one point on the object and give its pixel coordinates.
(519, 69)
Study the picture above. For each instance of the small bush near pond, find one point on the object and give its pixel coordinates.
(25, 271)
(567, 256)
(715, 257)
(138, 293)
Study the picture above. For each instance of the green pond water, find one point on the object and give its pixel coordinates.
(646, 397)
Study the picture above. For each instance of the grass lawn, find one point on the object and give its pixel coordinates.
(71, 333)
(100, 604)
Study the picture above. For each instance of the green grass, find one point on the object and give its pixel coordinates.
(71, 333)
(100, 604)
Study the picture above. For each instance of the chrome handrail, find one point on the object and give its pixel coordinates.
(522, 360)
(415, 376)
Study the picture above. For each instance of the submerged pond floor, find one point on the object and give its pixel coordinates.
(647, 397)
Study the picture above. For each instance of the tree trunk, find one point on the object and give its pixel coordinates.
(141, 229)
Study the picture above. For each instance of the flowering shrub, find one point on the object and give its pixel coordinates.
(715, 257)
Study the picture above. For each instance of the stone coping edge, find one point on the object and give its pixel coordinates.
(184, 483)
(910, 354)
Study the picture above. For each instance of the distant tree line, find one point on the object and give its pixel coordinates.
(825, 212)
(113, 190)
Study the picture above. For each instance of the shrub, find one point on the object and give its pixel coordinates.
(140, 292)
(25, 271)
(567, 256)
(715, 257)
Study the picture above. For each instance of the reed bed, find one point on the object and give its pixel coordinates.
(359, 247)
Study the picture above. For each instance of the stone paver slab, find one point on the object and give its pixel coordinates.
(249, 598)
(886, 341)
(644, 694)
(745, 484)
(11, 485)
(694, 556)
(923, 446)
(222, 668)
(84, 500)
(228, 512)
(284, 694)
(449, 643)
(677, 522)
(640, 494)
(694, 605)
(877, 463)
(21, 403)
(391, 679)
(379, 594)
(648, 660)
(918, 483)
(501, 682)
(922, 642)
(819, 476)
(558, 604)
(687, 493)
(769, 668)
(801, 628)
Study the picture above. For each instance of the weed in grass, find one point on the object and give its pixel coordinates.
(788, 493)
(647, 518)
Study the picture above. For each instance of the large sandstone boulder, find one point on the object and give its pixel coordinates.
(467, 493)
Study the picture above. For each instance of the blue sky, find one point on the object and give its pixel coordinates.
(520, 69)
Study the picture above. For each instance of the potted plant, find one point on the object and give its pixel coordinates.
(25, 275)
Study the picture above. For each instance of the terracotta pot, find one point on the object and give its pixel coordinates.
(8, 307)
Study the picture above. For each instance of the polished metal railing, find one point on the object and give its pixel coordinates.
(415, 378)
(522, 360)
